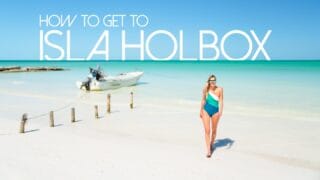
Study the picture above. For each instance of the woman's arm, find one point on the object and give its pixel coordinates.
(203, 100)
(221, 103)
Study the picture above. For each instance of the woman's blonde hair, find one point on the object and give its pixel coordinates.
(208, 84)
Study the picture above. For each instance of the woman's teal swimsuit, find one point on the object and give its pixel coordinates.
(212, 104)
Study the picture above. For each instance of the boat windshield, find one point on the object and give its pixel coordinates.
(96, 73)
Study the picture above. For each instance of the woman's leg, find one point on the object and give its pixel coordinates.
(206, 125)
(214, 124)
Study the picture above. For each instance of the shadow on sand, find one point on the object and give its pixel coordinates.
(225, 142)
(32, 130)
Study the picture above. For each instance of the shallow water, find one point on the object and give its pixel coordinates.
(288, 86)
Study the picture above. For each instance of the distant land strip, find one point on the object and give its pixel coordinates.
(29, 69)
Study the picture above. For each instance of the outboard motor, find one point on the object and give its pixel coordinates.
(96, 73)
(86, 84)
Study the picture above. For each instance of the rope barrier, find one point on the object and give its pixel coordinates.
(56, 110)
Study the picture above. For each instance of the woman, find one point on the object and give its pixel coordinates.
(211, 110)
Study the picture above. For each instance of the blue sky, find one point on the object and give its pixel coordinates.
(295, 25)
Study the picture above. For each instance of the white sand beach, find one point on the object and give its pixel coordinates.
(158, 139)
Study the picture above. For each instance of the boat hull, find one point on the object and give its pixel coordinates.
(122, 80)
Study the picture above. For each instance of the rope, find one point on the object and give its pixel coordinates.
(56, 110)
(38, 116)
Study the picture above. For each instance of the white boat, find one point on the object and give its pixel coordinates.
(108, 82)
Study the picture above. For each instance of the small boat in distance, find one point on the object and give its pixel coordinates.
(98, 81)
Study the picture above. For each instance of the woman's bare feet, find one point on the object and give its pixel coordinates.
(212, 148)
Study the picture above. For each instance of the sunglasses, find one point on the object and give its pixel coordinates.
(212, 81)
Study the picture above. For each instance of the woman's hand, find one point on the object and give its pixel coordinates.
(219, 114)
(201, 111)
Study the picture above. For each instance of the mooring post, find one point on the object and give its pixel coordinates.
(51, 119)
(96, 111)
(108, 103)
(23, 122)
(73, 115)
(131, 100)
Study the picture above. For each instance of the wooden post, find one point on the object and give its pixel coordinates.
(96, 111)
(51, 119)
(131, 100)
(23, 122)
(73, 115)
(108, 103)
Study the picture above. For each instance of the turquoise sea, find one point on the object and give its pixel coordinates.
(282, 85)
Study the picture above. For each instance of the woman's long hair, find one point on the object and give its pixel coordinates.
(208, 83)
